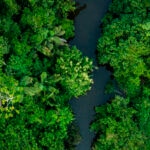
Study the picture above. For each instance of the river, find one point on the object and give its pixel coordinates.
(87, 32)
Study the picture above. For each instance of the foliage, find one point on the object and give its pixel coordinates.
(39, 73)
(123, 123)
(116, 127)
(143, 116)
(125, 43)
(74, 70)
(74, 137)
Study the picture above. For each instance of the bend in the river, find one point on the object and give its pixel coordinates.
(87, 32)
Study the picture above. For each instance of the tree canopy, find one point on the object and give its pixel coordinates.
(39, 73)
(124, 122)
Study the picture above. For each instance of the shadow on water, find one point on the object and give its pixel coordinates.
(87, 32)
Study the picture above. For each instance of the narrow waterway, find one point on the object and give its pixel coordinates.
(87, 32)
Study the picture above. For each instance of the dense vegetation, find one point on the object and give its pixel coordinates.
(124, 122)
(39, 73)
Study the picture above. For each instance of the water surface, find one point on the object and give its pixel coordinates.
(87, 32)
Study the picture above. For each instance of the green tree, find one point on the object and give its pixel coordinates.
(116, 127)
(123, 123)
(125, 43)
(39, 73)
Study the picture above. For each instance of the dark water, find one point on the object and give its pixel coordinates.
(87, 32)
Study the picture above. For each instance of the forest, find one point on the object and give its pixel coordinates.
(39, 74)
(124, 122)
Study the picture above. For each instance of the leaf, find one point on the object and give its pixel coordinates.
(26, 80)
(58, 41)
(43, 76)
(32, 91)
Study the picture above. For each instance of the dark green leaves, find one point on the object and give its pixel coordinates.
(123, 123)
(39, 73)
(124, 43)
(116, 127)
